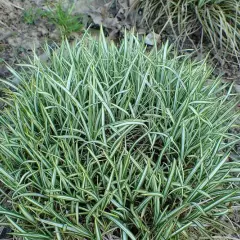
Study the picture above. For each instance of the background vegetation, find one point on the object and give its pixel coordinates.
(218, 21)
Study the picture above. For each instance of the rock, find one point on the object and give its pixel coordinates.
(151, 38)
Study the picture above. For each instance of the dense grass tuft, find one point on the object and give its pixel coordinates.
(119, 141)
(217, 20)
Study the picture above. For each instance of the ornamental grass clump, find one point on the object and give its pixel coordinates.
(108, 140)
(216, 20)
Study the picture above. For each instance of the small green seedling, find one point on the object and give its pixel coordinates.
(30, 15)
(64, 19)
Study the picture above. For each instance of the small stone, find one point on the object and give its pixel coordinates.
(151, 38)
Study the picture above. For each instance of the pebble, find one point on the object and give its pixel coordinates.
(151, 38)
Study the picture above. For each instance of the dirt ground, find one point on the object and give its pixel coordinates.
(18, 37)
